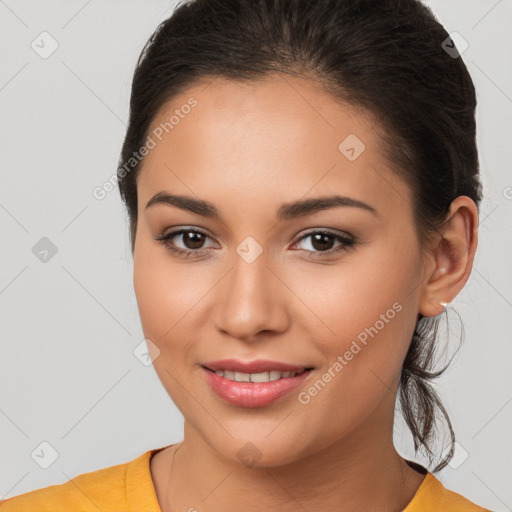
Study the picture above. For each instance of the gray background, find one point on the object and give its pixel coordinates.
(69, 325)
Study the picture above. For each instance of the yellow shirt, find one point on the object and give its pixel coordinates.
(128, 487)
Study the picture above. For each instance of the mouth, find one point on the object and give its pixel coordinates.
(266, 376)
(259, 385)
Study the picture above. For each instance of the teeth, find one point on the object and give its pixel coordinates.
(256, 377)
(273, 375)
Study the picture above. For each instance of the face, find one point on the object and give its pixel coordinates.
(333, 286)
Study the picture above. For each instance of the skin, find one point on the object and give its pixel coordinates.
(247, 149)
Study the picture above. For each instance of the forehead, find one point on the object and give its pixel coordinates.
(276, 139)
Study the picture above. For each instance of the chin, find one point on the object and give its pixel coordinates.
(259, 453)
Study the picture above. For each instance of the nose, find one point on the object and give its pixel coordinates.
(251, 300)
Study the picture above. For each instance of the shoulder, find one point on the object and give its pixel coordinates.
(109, 489)
(432, 495)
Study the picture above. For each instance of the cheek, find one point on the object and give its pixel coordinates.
(149, 285)
(363, 291)
(367, 315)
(165, 297)
(166, 291)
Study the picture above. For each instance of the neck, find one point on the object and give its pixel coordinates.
(360, 472)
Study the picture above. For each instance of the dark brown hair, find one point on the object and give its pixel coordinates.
(386, 56)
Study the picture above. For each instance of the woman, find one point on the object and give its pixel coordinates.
(302, 185)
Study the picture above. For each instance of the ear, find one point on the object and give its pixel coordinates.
(450, 258)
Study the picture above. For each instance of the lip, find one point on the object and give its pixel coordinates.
(256, 366)
(252, 394)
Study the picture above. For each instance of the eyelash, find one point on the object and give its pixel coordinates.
(348, 242)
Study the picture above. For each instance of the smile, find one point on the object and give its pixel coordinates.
(251, 390)
(257, 377)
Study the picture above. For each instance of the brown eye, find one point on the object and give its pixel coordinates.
(193, 239)
(185, 242)
(323, 243)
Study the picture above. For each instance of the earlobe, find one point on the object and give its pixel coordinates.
(453, 255)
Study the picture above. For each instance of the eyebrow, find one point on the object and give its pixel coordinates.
(287, 211)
